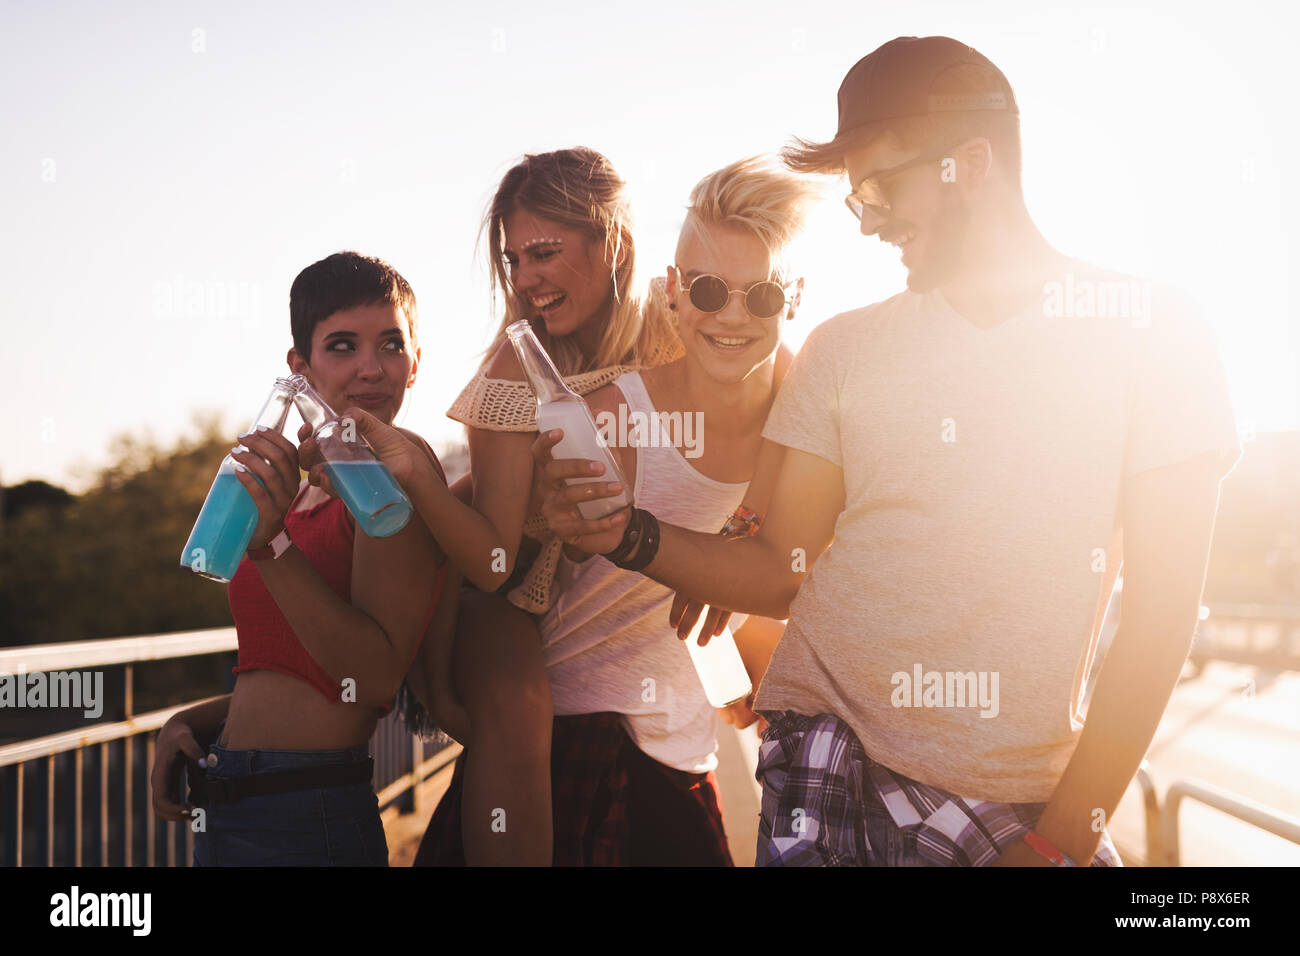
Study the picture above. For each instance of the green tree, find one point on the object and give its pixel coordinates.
(106, 563)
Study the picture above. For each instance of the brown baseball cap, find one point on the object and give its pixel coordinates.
(897, 79)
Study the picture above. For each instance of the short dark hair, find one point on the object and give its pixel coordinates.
(931, 131)
(345, 280)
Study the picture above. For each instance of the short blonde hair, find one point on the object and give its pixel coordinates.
(758, 196)
(580, 189)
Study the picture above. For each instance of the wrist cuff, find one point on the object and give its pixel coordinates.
(1046, 849)
(640, 542)
(273, 548)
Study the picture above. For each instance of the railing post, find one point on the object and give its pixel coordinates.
(78, 761)
(417, 754)
(150, 825)
(18, 811)
(128, 805)
(103, 804)
(1172, 801)
(1151, 810)
(49, 810)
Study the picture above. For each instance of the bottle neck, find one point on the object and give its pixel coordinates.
(275, 412)
(546, 381)
(315, 411)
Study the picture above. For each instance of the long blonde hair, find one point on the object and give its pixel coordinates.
(578, 188)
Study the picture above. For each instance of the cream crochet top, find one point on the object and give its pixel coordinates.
(501, 405)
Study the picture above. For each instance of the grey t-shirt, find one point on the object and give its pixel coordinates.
(950, 624)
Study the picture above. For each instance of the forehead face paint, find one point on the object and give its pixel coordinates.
(547, 241)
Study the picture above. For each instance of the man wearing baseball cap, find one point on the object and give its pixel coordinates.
(966, 464)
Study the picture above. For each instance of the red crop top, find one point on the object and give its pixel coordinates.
(266, 641)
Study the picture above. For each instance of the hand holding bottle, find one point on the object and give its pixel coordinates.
(560, 502)
(273, 459)
(230, 517)
(404, 458)
(686, 611)
(741, 714)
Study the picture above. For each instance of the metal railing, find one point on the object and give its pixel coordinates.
(1249, 811)
(1151, 814)
(90, 804)
(1263, 635)
(1162, 831)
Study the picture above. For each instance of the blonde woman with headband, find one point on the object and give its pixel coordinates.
(562, 256)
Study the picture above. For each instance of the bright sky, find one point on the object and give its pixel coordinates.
(167, 169)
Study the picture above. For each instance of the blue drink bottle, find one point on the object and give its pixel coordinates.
(226, 522)
(365, 484)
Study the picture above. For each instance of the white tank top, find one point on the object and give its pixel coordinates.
(608, 646)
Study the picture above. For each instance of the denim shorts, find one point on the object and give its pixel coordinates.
(324, 826)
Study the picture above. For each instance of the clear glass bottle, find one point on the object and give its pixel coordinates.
(365, 484)
(718, 663)
(228, 518)
(721, 670)
(559, 406)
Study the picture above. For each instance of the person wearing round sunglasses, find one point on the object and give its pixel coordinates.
(710, 294)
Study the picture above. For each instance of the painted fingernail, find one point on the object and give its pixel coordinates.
(594, 466)
(240, 466)
(203, 762)
(263, 428)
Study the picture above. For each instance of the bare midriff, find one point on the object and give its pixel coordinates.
(273, 711)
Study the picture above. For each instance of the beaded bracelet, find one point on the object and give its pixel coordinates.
(742, 524)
